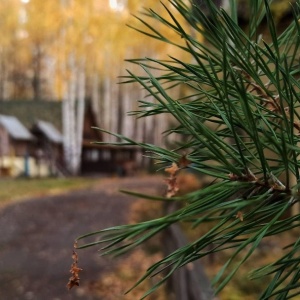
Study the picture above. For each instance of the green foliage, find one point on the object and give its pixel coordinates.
(239, 117)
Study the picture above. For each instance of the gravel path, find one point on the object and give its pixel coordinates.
(36, 239)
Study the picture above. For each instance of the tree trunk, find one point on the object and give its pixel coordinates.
(72, 107)
(37, 71)
(114, 107)
(189, 282)
(69, 124)
(95, 97)
(128, 121)
(80, 115)
(2, 74)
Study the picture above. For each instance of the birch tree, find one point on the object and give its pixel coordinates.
(75, 86)
(72, 50)
(9, 26)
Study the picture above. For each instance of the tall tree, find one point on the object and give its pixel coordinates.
(9, 26)
(42, 24)
(72, 50)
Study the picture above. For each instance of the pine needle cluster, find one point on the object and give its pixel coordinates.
(238, 114)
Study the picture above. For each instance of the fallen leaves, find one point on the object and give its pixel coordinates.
(125, 273)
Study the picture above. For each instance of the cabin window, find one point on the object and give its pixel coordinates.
(92, 155)
(106, 155)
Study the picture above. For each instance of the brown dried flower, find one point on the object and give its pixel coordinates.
(172, 186)
(74, 279)
(172, 180)
(173, 169)
(183, 161)
(240, 216)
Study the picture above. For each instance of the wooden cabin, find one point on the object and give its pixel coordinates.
(48, 146)
(16, 146)
(44, 120)
(107, 159)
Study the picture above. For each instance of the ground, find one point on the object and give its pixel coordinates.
(37, 235)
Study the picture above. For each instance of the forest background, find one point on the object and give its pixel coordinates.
(57, 50)
(72, 51)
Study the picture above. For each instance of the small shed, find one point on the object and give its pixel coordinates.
(15, 141)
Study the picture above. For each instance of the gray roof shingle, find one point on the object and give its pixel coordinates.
(28, 112)
(49, 131)
(15, 128)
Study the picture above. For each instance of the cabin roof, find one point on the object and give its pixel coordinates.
(49, 131)
(44, 113)
(15, 128)
(29, 112)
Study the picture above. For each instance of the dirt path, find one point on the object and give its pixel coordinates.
(36, 238)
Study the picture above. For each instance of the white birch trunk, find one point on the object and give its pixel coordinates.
(106, 108)
(72, 107)
(73, 116)
(149, 126)
(66, 125)
(66, 109)
(128, 100)
(114, 109)
(80, 115)
(161, 126)
(128, 121)
(139, 123)
(95, 97)
(66, 119)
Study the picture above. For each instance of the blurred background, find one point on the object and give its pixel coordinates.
(60, 65)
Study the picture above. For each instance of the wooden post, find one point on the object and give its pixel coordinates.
(189, 282)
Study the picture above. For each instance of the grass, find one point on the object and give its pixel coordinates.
(21, 188)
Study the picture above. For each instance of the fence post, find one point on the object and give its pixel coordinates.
(189, 282)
